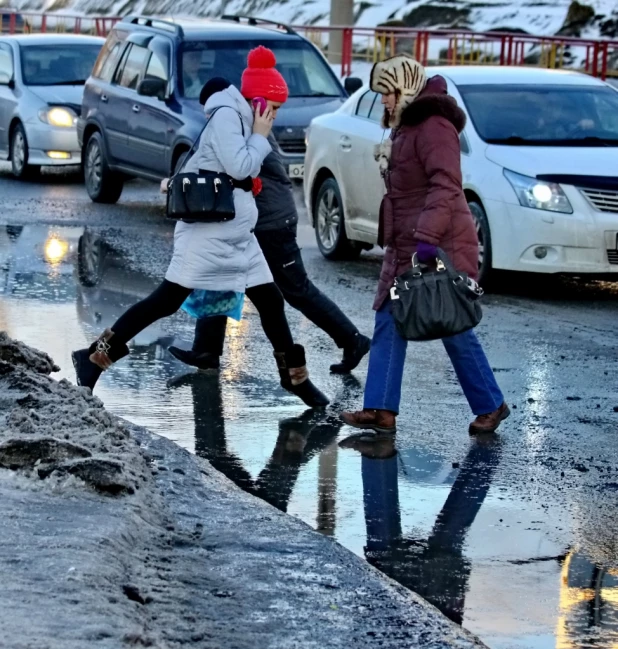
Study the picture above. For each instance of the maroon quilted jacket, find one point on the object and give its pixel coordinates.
(424, 198)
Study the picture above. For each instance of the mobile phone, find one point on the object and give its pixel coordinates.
(261, 102)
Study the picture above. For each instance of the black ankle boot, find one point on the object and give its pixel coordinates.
(205, 362)
(352, 355)
(295, 377)
(90, 363)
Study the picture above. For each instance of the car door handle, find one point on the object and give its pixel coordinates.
(136, 108)
(345, 143)
(104, 98)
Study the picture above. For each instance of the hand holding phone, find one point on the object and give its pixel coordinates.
(259, 105)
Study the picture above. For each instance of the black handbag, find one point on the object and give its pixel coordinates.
(428, 304)
(204, 197)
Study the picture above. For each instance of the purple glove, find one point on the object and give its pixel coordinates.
(426, 252)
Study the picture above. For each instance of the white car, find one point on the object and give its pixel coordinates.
(539, 162)
(42, 81)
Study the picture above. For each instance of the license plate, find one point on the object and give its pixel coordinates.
(296, 171)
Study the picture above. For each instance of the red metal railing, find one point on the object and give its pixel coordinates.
(28, 22)
(368, 45)
(457, 47)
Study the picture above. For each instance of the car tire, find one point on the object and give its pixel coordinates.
(19, 155)
(484, 236)
(102, 184)
(329, 221)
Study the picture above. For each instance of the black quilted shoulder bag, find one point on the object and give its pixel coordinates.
(204, 197)
(428, 304)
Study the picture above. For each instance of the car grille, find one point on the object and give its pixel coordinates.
(602, 199)
(293, 145)
(612, 257)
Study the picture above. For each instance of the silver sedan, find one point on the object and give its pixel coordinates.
(42, 81)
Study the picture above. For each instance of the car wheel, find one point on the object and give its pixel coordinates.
(90, 258)
(103, 184)
(19, 155)
(484, 236)
(330, 225)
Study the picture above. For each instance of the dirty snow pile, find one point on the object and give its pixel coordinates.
(55, 430)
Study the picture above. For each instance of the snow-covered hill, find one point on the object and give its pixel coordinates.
(541, 17)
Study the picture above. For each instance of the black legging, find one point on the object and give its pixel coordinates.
(167, 298)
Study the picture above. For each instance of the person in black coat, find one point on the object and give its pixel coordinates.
(276, 234)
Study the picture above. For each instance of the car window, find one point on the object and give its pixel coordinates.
(133, 63)
(108, 58)
(365, 103)
(57, 65)
(607, 113)
(377, 110)
(6, 63)
(157, 69)
(106, 71)
(558, 115)
(304, 69)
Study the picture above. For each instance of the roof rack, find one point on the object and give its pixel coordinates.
(154, 23)
(256, 22)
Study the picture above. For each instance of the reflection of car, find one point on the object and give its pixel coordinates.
(539, 160)
(141, 111)
(41, 87)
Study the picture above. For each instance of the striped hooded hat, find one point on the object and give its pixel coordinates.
(403, 75)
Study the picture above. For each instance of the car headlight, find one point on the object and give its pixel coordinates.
(57, 116)
(538, 194)
(307, 131)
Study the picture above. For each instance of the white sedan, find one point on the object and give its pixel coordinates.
(539, 161)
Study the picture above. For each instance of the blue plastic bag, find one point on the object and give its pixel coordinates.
(206, 304)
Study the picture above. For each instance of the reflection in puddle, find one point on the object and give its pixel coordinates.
(475, 549)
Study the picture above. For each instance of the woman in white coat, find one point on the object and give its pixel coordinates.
(221, 256)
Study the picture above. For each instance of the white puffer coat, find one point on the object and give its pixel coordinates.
(224, 256)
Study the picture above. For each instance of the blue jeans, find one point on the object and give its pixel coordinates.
(387, 359)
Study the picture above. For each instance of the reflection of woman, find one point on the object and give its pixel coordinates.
(436, 568)
(221, 257)
(299, 440)
(424, 207)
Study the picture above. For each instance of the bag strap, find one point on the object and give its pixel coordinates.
(199, 137)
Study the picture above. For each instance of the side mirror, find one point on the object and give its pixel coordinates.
(5, 80)
(352, 84)
(152, 88)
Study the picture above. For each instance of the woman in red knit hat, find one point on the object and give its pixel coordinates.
(224, 257)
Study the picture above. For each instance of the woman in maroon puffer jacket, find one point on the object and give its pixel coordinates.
(424, 208)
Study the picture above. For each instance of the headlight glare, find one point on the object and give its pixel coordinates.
(58, 116)
(538, 194)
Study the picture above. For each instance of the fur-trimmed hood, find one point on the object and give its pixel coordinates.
(434, 105)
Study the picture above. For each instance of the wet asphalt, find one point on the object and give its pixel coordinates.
(513, 536)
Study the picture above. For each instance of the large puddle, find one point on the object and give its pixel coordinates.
(500, 565)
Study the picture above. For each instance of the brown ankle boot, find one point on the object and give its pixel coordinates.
(382, 421)
(101, 355)
(489, 423)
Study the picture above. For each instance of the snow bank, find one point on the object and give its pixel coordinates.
(51, 429)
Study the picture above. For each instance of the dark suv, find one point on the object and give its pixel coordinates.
(140, 110)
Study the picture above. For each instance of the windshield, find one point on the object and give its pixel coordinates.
(305, 71)
(53, 65)
(544, 115)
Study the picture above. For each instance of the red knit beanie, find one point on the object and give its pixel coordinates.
(261, 79)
